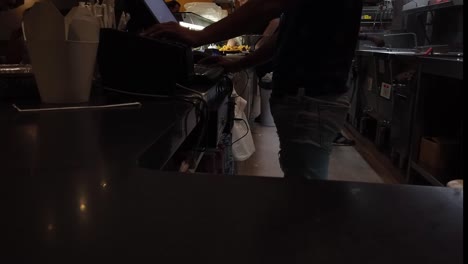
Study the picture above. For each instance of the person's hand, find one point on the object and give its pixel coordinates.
(230, 64)
(174, 31)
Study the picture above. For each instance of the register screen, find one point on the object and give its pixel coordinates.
(160, 11)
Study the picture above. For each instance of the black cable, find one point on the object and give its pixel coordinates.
(205, 114)
(246, 133)
(188, 89)
(200, 96)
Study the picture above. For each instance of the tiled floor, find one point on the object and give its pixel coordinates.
(346, 163)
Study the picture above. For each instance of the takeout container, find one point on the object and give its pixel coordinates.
(67, 76)
(62, 51)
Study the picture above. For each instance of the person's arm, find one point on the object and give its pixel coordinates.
(248, 16)
(271, 28)
(268, 32)
(379, 42)
(262, 55)
(235, 64)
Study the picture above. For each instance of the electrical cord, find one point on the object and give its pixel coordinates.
(204, 125)
(204, 120)
(188, 89)
(246, 133)
(200, 98)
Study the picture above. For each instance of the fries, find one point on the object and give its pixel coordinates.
(239, 48)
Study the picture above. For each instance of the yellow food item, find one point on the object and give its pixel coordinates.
(239, 48)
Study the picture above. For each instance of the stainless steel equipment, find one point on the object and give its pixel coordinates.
(192, 18)
(15, 70)
(425, 5)
(401, 40)
(17, 80)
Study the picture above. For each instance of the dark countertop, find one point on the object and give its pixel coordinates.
(447, 66)
(131, 215)
(73, 192)
(451, 67)
(93, 138)
(387, 52)
(408, 52)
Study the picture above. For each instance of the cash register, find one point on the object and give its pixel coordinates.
(130, 62)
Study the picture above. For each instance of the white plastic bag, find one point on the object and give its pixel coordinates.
(243, 146)
(210, 11)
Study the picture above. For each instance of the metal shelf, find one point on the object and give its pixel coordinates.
(430, 8)
(426, 175)
(376, 22)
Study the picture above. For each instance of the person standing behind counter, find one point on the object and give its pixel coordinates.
(309, 81)
(261, 70)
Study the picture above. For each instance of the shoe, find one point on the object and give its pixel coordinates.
(341, 140)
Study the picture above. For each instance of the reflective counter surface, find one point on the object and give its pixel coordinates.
(72, 192)
(130, 215)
